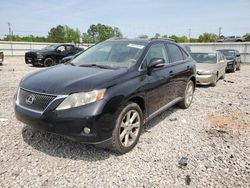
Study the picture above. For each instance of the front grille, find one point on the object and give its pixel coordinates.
(30, 57)
(38, 103)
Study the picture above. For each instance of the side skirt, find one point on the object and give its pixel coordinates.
(163, 108)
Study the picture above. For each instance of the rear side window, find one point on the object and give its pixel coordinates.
(175, 53)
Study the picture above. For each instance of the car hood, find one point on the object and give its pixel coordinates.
(67, 79)
(206, 67)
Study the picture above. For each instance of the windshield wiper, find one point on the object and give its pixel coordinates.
(96, 65)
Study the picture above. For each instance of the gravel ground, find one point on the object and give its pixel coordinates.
(206, 145)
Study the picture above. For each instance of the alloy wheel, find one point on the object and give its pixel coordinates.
(189, 94)
(129, 128)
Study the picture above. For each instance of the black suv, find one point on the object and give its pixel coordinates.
(233, 59)
(107, 93)
(51, 55)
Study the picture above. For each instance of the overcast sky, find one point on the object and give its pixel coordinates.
(133, 17)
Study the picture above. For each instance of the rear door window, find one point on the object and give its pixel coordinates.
(175, 53)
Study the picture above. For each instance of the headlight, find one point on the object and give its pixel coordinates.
(204, 72)
(80, 99)
(39, 56)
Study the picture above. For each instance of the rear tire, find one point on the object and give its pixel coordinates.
(127, 129)
(188, 96)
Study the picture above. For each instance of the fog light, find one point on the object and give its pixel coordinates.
(86, 130)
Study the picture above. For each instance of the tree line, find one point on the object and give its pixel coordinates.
(99, 32)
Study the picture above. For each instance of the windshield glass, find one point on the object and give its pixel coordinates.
(114, 54)
(204, 57)
(50, 47)
(228, 53)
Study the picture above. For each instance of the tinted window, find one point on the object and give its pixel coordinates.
(157, 51)
(175, 53)
(70, 48)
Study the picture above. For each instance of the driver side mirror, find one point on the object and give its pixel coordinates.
(155, 63)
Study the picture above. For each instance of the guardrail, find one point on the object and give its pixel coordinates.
(19, 48)
(242, 47)
(12, 48)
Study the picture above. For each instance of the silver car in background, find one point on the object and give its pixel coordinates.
(210, 67)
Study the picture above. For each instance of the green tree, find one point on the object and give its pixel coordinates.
(157, 35)
(57, 34)
(143, 36)
(71, 35)
(164, 36)
(247, 36)
(101, 32)
(208, 37)
(117, 32)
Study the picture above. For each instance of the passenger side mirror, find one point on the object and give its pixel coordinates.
(238, 55)
(156, 63)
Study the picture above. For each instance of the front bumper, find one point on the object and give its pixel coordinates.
(70, 123)
(230, 67)
(204, 79)
(33, 61)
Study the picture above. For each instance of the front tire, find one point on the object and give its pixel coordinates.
(214, 81)
(49, 62)
(188, 96)
(127, 129)
(238, 68)
(234, 67)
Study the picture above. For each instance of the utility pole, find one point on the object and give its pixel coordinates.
(10, 35)
(189, 34)
(220, 31)
(10, 31)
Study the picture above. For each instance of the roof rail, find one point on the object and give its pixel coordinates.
(115, 38)
(159, 38)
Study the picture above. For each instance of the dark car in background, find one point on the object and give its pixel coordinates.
(69, 58)
(233, 59)
(106, 94)
(1, 58)
(51, 55)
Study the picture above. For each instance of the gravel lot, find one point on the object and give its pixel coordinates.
(212, 136)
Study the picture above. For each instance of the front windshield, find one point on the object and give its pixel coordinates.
(227, 53)
(113, 54)
(205, 57)
(50, 47)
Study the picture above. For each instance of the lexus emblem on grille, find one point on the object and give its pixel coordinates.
(30, 99)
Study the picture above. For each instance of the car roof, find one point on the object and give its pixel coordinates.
(148, 40)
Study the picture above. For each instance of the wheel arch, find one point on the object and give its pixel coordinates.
(140, 102)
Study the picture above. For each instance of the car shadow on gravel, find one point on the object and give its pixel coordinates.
(159, 118)
(59, 146)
